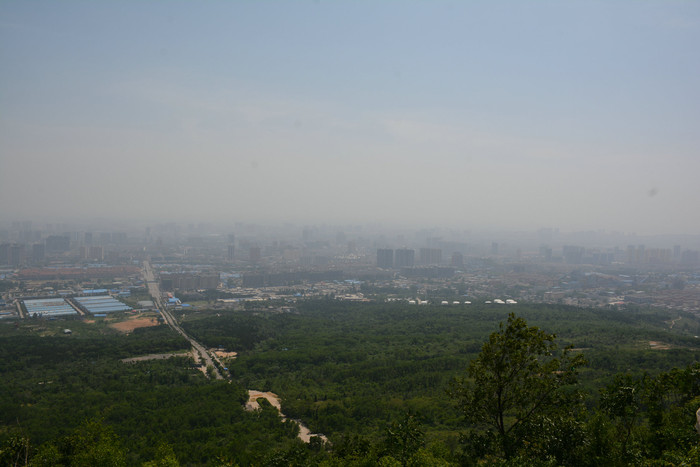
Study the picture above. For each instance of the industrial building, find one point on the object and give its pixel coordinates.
(101, 304)
(48, 307)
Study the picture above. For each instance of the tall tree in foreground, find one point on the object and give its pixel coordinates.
(519, 381)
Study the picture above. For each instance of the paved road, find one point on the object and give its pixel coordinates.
(154, 290)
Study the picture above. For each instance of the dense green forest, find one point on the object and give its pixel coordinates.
(386, 383)
(57, 388)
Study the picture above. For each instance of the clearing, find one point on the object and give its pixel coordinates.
(131, 324)
(222, 354)
(252, 404)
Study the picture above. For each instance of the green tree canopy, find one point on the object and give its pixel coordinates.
(518, 377)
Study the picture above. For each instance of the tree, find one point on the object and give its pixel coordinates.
(91, 444)
(15, 451)
(518, 377)
(404, 439)
(165, 457)
(622, 400)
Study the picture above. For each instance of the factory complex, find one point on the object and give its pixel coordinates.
(49, 307)
(101, 304)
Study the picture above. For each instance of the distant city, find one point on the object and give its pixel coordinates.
(232, 265)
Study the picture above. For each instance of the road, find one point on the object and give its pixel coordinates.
(154, 290)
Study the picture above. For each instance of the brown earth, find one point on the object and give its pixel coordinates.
(131, 324)
(252, 404)
(253, 397)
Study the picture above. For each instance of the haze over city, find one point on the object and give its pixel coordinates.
(501, 115)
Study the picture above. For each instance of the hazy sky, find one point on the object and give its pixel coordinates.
(576, 115)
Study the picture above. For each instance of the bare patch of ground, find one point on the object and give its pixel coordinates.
(131, 324)
(198, 359)
(252, 404)
(658, 345)
(673, 322)
(305, 434)
(222, 354)
(253, 397)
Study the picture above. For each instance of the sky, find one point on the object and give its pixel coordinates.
(577, 115)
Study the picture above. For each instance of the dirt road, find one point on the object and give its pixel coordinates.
(252, 404)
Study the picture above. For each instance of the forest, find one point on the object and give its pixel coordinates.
(386, 383)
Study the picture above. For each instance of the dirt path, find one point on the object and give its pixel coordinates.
(134, 323)
(274, 400)
(673, 322)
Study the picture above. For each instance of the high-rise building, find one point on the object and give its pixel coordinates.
(430, 256)
(57, 243)
(16, 255)
(457, 260)
(231, 251)
(96, 253)
(404, 258)
(5, 253)
(573, 254)
(636, 255)
(385, 258)
(38, 252)
(254, 254)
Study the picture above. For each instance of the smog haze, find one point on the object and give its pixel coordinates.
(505, 115)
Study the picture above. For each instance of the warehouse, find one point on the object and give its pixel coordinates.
(100, 304)
(48, 307)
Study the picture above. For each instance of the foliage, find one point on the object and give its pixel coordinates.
(165, 411)
(404, 438)
(15, 451)
(352, 371)
(517, 382)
